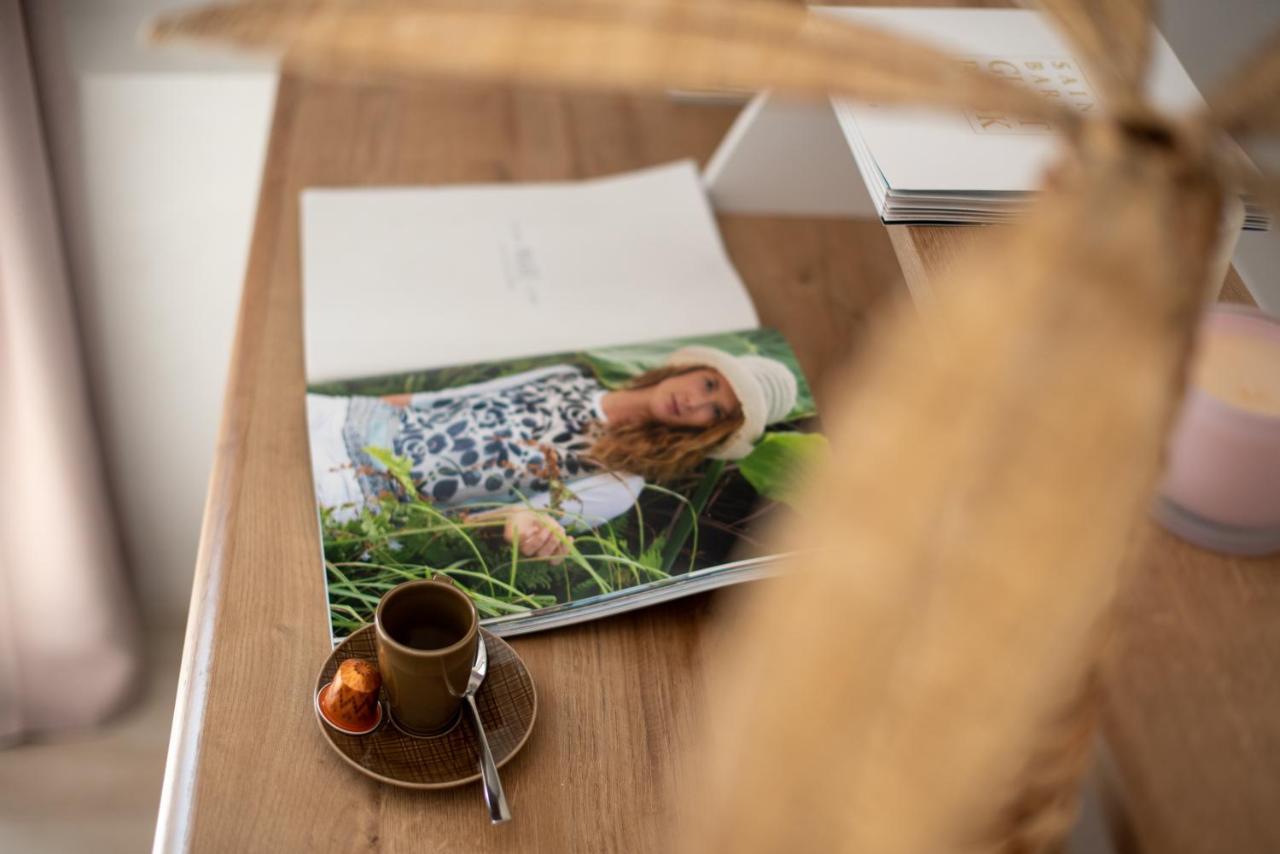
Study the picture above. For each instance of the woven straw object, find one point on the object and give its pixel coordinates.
(921, 680)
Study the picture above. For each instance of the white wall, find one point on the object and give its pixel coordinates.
(172, 163)
(162, 170)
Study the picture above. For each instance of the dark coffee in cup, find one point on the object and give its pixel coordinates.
(426, 618)
(428, 637)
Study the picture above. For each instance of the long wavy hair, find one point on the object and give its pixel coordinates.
(656, 451)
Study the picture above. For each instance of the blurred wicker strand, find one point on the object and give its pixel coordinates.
(1114, 37)
(643, 45)
(1046, 797)
(920, 681)
(1248, 102)
(985, 477)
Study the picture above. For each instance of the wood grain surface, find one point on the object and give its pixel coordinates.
(1192, 704)
(1192, 691)
(618, 698)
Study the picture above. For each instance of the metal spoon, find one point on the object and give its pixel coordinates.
(493, 794)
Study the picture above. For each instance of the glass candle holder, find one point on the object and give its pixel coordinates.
(1221, 489)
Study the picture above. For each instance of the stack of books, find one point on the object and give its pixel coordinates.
(923, 166)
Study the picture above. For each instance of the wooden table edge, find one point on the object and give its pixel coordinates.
(177, 794)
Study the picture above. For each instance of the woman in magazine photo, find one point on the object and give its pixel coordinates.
(547, 452)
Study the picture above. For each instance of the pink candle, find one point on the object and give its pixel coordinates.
(1222, 487)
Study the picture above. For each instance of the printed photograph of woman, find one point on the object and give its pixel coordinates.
(558, 482)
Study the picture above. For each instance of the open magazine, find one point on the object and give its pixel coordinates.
(436, 471)
(508, 432)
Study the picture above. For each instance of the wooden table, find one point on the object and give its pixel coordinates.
(1193, 694)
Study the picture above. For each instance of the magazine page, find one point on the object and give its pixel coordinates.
(405, 278)
(560, 487)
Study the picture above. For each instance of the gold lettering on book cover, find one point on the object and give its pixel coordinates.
(1057, 77)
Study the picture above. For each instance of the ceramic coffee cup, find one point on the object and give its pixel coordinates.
(427, 635)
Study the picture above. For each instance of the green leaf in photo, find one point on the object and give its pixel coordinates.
(779, 460)
(398, 467)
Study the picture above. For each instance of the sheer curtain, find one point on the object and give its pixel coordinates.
(68, 629)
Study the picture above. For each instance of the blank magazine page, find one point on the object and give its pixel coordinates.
(407, 278)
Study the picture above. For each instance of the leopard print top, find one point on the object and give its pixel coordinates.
(498, 441)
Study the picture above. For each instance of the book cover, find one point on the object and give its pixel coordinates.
(983, 165)
(934, 151)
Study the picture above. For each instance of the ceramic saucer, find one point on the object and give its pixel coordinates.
(508, 706)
